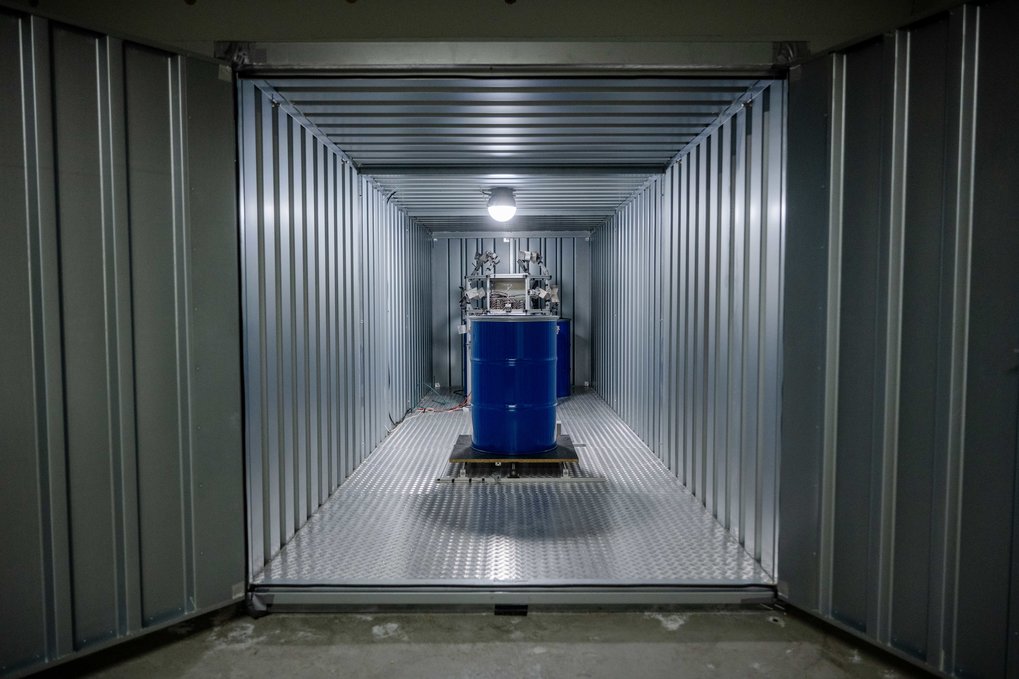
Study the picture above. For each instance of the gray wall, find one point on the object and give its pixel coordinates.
(120, 370)
(568, 260)
(688, 309)
(336, 318)
(899, 468)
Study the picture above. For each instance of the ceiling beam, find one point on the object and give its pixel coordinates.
(475, 233)
(522, 212)
(631, 57)
(501, 170)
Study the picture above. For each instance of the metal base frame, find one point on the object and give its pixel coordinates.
(464, 451)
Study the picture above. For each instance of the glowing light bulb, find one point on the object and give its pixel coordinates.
(502, 213)
(502, 204)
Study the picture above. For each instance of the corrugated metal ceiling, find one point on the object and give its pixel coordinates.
(573, 148)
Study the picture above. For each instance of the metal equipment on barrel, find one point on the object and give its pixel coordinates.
(511, 324)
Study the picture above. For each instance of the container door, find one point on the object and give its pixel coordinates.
(899, 469)
(120, 381)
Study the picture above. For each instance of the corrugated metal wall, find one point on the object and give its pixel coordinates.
(899, 472)
(568, 260)
(120, 379)
(337, 297)
(688, 308)
(398, 336)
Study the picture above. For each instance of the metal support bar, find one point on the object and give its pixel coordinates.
(896, 236)
(509, 234)
(317, 598)
(960, 219)
(505, 171)
(831, 378)
(728, 58)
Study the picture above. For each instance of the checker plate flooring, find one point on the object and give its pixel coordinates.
(391, 524)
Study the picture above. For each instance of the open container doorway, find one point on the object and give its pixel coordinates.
(656, 204)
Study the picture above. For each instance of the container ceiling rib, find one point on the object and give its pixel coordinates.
(573, 148)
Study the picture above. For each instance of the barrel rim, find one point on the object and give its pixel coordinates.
(508, 317)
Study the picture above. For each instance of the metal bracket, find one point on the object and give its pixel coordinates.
(237, 53)
(764, 600)
(511, 609)
(258, 605)
(789, 52)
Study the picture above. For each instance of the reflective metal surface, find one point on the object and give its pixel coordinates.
(439, 56)
(452, 200)
(687, 326)
(391, 523)
(336, 315)
(504, 120)
(573, 149)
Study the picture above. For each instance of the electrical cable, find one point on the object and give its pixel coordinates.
(459, 406)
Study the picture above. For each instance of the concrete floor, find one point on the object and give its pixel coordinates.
(685, 642)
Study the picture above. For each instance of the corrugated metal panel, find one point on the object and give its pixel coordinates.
(687, 317)
(567, 259)
(120, 395)
(545, 202)
(336, 297)
(399, 253)
(573, 148)
(899, 470)
(433, 122)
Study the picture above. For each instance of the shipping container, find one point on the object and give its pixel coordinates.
(240, 362)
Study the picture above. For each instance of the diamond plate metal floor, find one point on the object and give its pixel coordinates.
(391, 524)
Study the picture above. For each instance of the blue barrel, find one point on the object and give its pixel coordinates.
(563, 383)
(513, 384)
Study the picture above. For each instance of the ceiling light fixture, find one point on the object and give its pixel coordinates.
(502, 204)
